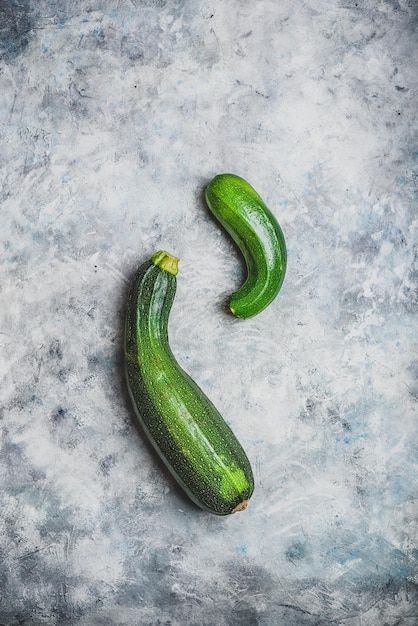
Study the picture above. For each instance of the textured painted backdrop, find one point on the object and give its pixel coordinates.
(114, 115)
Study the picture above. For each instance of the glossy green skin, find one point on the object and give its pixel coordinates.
(185, 428)
(255, 230)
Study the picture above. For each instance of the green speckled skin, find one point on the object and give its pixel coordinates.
(188, 432)
(255, 230)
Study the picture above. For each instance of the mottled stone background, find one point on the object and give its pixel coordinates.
(114, 115)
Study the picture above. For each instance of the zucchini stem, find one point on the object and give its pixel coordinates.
(241, 506)
(166, 261)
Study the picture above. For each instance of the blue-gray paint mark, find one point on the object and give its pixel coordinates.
(296, 551)
(242, 549)
(16, 27)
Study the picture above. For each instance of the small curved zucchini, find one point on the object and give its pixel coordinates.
(185, 428)
(255, 230)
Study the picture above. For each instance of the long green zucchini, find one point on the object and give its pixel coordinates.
(255, 230)
(185, 428)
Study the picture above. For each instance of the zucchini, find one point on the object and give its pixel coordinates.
(187, 431)
(255, 230)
